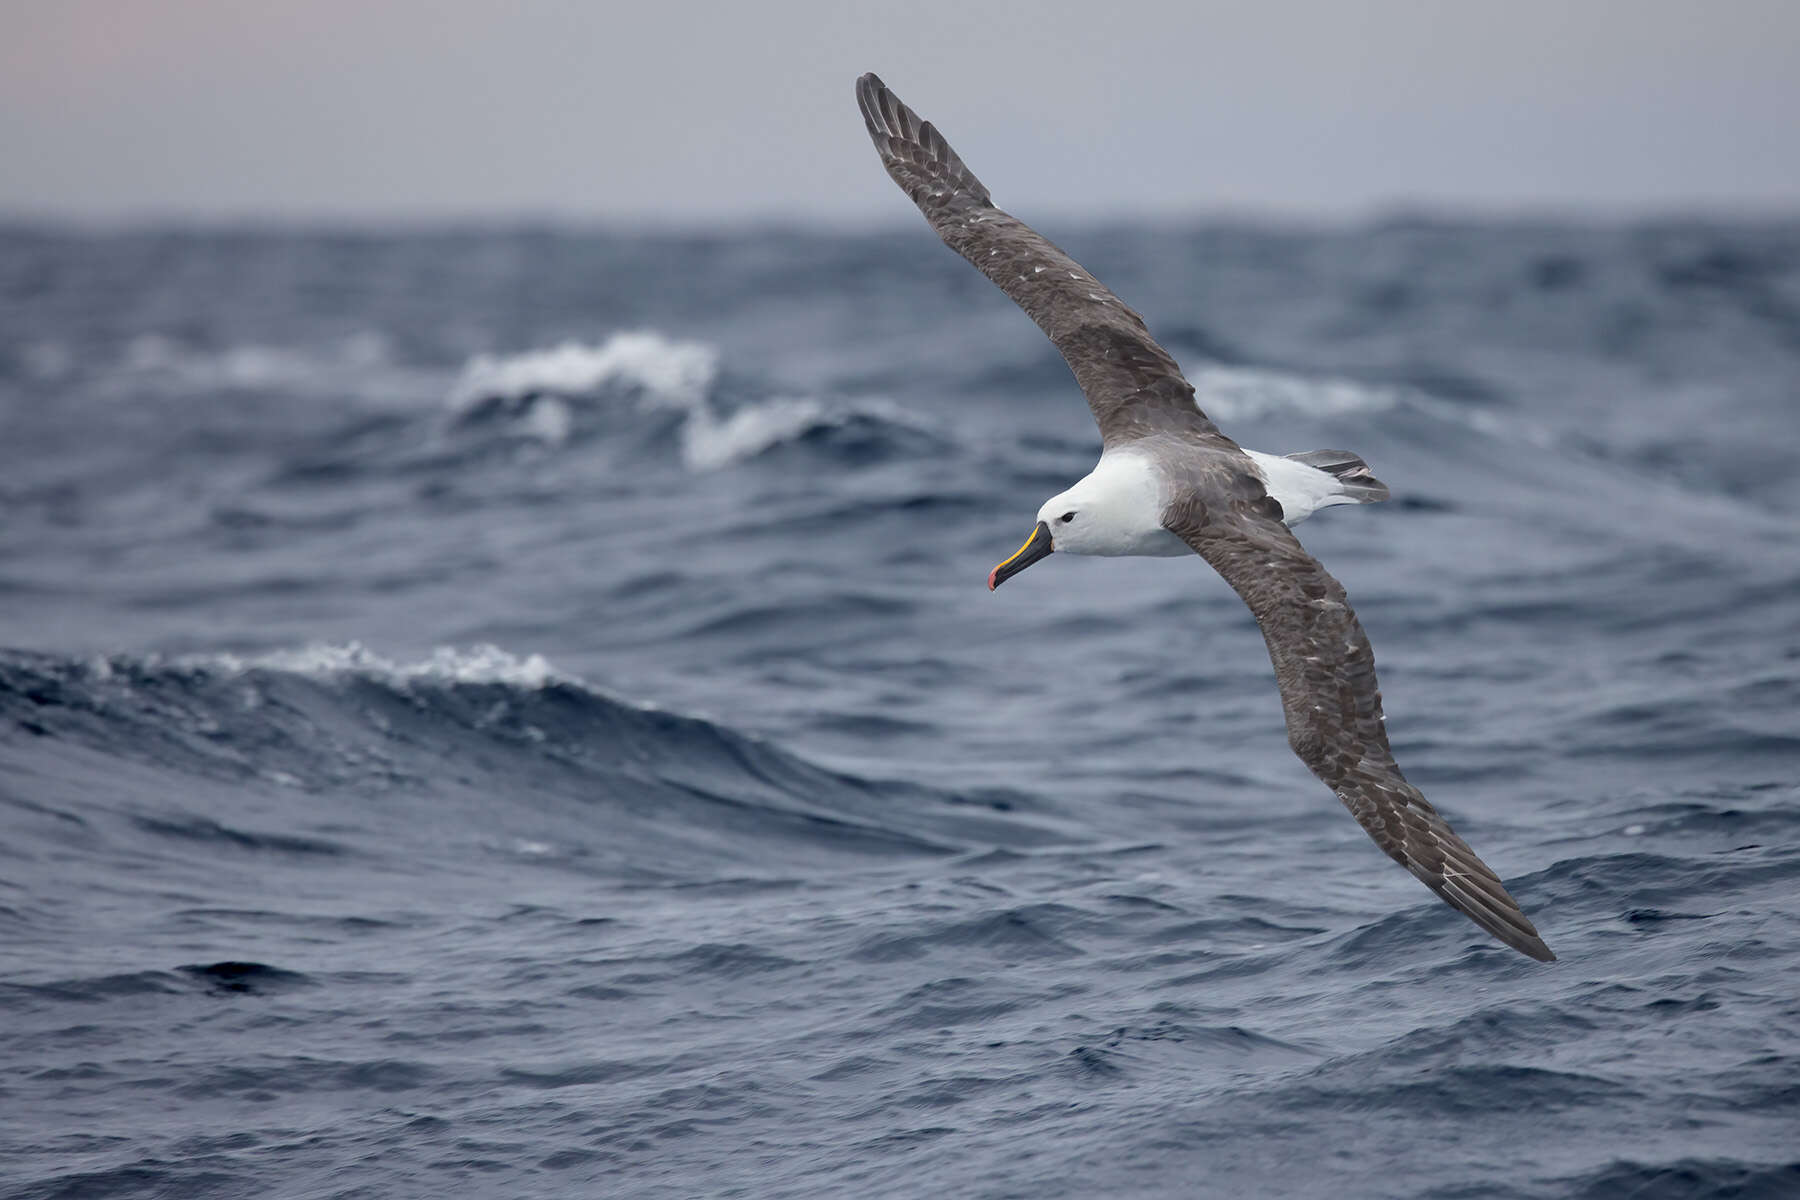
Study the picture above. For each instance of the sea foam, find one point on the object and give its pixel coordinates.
(664, 373)
(446, 664)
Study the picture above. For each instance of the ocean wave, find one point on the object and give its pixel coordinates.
(446, 664)
(1230, 392)
(532, 395)
(1241, 393)
(340, 717)
(669, 372)
(1688, 1176)
(360, 365)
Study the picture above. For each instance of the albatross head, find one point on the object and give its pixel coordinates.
(1116, 509)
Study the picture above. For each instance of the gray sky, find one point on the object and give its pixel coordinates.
(682, 112)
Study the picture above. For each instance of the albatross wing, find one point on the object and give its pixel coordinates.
(1132, 384)
(1326, 673)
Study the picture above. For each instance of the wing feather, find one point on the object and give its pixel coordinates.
(1329, 693)
(1134, 387)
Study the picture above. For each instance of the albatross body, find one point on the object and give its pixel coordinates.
(1170, 483)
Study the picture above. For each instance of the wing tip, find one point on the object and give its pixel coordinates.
(1473, 889)
(1504, 928)
(1453, 871)
(1481, 897)
(869, 89)
(1531, 946)
(908, 144)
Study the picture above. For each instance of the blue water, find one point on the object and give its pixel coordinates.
(516, 713)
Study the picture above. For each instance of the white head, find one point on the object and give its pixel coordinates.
(1086, 519)
(1115, 509)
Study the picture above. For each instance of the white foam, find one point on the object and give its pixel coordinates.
(478, 664)
(708, 442)
(153, 358)
(550, 420)
(360, 365)
(679, 374)
(668, 374)
(1244, 393)
(1507, 426)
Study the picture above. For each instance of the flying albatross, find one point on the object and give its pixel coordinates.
(1169, 483)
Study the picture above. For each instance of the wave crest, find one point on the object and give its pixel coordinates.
(531, 392)
(478, 664)
(1245, 393)
(669, 372)
(360, 365)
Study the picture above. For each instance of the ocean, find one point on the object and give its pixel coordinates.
(518, 712)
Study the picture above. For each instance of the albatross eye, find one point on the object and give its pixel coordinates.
(1066, 517)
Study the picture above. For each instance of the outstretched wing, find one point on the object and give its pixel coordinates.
(1326, 673)
(1132, 385)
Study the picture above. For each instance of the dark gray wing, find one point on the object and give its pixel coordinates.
(1326, 673)
(1131, 383)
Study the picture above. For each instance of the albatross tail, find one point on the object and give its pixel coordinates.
(1355, 481)
(1304, 483)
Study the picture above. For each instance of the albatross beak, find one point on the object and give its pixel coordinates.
(1036, 546)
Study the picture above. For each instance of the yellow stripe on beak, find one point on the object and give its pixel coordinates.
(1037, 546)
(1022, 549)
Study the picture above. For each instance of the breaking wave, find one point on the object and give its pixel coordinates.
(1241, 393)
(538, 394)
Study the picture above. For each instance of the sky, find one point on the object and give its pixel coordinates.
(677, 113)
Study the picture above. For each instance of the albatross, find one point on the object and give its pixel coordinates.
(1170, 483)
